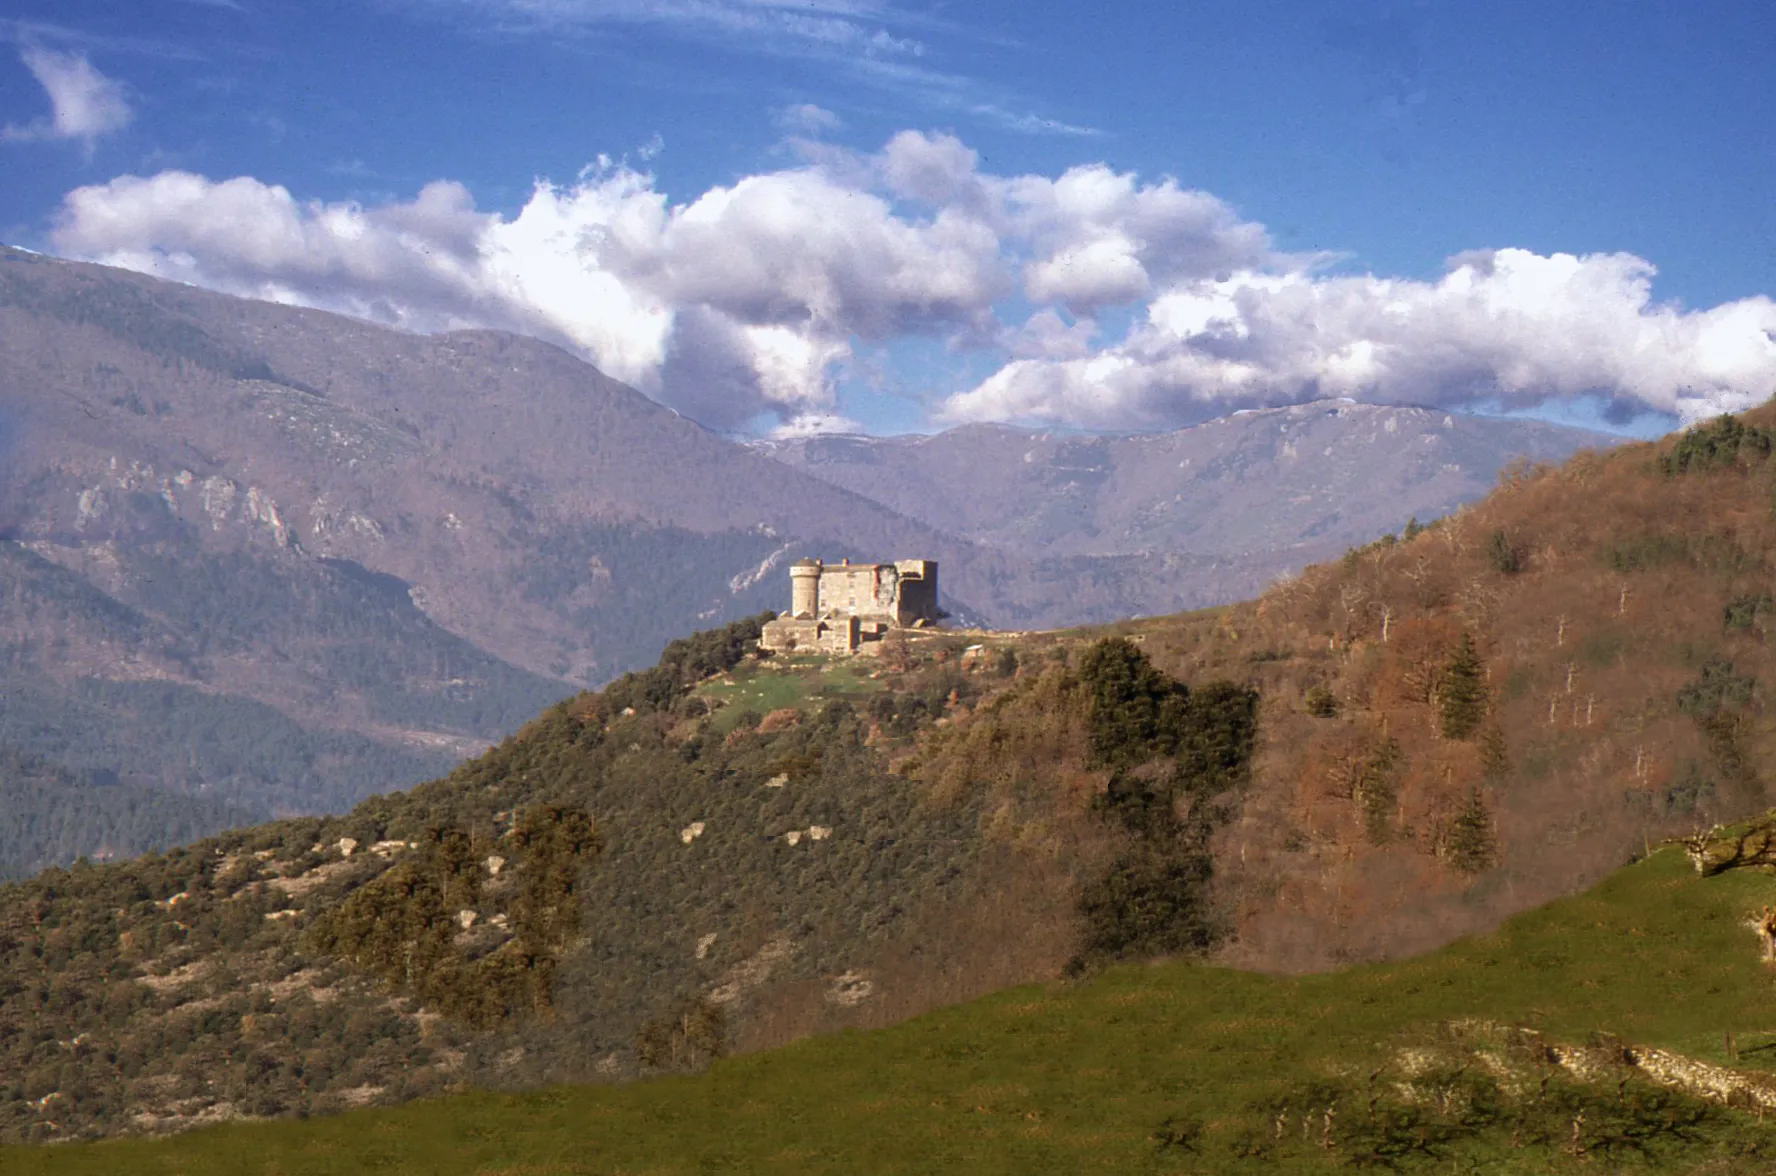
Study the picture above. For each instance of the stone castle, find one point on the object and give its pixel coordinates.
(838, 608)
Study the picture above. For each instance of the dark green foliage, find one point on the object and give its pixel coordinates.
(1704, 551)
(1458, 1116)
(1472, 847)
(684, 663)
(1503, 555)
(1152, 901)
(1412, 531)
(182, 739)
(404, 927)
(1748, 611)
(1718, 700)
(1461, 692)
(1180, 758)
(1135, 708)
(1376, 790)
(50, 816)
(1723, 443)
(188, 738)
(1715, 688)
(363, 629)
(1691, 791)
(1320, 702)
(1216, 733)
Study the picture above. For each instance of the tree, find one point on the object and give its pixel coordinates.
(1134, 707)
(1471, 847)
(1462, 691)
(1503, 555)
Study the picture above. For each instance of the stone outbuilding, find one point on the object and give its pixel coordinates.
(838, 608)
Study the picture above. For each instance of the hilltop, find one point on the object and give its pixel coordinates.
(1440, 729)
(277, 560)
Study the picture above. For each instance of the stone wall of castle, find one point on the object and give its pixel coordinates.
(837, 608)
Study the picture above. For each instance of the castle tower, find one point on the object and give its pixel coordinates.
(804, 588)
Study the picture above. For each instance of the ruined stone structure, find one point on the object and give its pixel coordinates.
(838, 608)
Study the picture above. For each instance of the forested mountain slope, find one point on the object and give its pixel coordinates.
(1435, 731)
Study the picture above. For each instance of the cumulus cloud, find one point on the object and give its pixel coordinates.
(743, 305)
(1501, 326)
(84, 103)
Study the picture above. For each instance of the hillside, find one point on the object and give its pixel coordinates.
(723, 854)
(1601, 1033)
(374, 551)
(380, 552)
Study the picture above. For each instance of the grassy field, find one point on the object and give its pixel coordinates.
(1164, 1068)
(798, 682)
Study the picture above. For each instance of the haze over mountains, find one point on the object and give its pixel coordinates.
(283, 559)
(1266, 490)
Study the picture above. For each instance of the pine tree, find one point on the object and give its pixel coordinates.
(1471, 847)
(1462, 692)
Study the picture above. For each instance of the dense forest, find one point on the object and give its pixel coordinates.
(50, 816)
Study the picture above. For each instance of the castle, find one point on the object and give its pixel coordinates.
(837, 608)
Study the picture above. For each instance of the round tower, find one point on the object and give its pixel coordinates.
(804, 588)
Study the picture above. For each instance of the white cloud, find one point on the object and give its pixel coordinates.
(1032, 124)
(1101, 238)
(84, 103)
(817, 28)
(1504, 326)
(814, 425)
(805, 118)
(747, 301)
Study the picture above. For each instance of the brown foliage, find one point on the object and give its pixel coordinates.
(1612, 604)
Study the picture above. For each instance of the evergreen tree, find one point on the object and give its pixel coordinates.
(1471, 847)
(1503, 555)
(1462, 692)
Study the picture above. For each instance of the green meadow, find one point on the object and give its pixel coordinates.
(1159, 1068)
(789, 682)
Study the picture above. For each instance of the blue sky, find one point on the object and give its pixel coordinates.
(843, 213)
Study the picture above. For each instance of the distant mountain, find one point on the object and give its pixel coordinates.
(1268, 489)
(286, 559)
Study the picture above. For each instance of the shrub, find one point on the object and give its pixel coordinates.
(1504, 556)
(1724, 442)
(1320, 702)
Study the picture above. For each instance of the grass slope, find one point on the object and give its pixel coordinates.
(1097, 1077)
